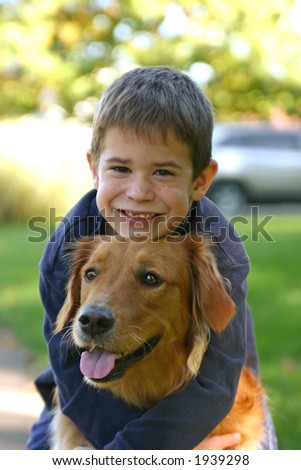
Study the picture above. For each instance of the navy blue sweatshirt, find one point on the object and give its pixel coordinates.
(181, 420)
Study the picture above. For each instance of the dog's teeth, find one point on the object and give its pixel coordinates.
(118, 356)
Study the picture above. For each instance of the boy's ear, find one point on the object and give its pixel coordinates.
(93, 169)
(204, 180)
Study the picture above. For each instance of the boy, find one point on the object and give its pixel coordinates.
(151, 163)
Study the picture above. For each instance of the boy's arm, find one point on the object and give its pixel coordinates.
(180, 421)
(39, 433)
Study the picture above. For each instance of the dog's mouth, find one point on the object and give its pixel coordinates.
(100, 365)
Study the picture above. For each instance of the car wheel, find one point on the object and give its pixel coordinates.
(230, 197)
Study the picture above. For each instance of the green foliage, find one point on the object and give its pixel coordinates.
(19, 197)
(64, 53)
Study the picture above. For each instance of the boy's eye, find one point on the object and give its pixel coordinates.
(121, 169)
(163, 172)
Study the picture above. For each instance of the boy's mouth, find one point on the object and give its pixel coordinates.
(136, 215)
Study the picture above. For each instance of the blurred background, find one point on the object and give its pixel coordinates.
(56, 58)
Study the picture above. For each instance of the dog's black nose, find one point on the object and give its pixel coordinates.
(95, 320)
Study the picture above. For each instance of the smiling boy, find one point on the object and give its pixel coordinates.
(152, 194)
(151, 164)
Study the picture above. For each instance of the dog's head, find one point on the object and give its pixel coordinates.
(129, 300)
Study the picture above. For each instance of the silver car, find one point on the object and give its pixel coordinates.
(257, 163)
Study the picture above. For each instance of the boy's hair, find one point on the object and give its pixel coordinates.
(151, 101)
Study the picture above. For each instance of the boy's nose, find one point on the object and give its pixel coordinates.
(140, 190)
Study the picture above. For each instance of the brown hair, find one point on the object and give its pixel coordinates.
(151, 101)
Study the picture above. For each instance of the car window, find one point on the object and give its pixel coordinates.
(266, 140)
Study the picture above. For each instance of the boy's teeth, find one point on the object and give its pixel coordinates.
(140, 216)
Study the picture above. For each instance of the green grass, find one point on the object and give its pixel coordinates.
(274, 296)
(20, 307)
(275, 300)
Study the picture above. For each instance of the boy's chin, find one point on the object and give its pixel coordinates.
(153, 233)
(145, 229)
(145, 232)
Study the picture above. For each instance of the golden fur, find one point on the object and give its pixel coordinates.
(189, 300)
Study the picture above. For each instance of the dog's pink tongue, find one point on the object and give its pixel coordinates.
(97, 364)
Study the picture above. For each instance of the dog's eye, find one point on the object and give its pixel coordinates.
(90, 274)
(151, 279)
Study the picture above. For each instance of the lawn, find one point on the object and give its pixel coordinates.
(20, 307)
(275, 300)
(274, 296)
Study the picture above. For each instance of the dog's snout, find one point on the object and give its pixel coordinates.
(95, 320)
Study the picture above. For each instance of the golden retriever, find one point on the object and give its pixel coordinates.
(142, 312)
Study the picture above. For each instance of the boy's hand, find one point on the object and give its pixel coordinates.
(83, 448)
(221, 442)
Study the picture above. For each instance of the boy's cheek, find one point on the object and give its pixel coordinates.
(114, 225)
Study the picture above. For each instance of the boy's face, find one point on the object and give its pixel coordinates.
(146, 188)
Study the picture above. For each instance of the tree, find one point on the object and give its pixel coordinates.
(62, 53)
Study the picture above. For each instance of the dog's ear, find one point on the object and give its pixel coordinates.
(80, 253)
(211, 305)
(210, 298)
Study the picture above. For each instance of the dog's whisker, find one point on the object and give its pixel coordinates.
(67, 333)
(140, 341)
(146, 343)
(67, 328)
(68, 340)
(136, 327)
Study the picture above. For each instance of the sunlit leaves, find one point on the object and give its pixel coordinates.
(239, 49)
